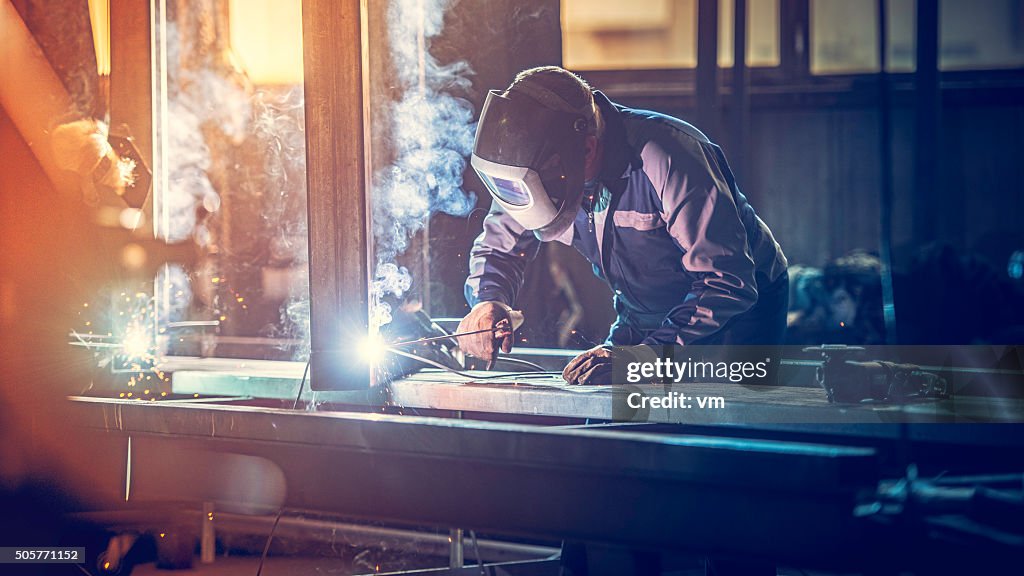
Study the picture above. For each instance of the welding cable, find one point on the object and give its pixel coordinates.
(462, 373)
(270, 538)
(476, 551)
(277, 519)
(302, 384)
(521, 362)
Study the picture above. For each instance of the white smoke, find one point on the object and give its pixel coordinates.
(279, 128)
(210, 105)
(190, 107)
(431, 134)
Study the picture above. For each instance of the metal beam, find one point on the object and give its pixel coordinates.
(706, 494)
(334, 54)
(928, 194)
(794, 52)
(740, 93)
(707, 67)
(885, 198)
(330, 529)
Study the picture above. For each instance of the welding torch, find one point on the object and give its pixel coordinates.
(502, 329)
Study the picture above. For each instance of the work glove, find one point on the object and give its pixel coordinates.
(486, 345)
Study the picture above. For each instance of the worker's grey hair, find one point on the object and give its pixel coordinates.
(558, 89)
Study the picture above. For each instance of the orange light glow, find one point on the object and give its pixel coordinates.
(266, 37)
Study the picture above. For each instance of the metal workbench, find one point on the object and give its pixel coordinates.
(622, 488)
(525, 455)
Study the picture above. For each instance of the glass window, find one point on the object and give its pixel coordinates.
(844, 36)
(229, 196)
(611, 34)
(978, 34)
(973, 34)
(762, 33)
(266, 37)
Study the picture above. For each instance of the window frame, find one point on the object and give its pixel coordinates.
(791, 83)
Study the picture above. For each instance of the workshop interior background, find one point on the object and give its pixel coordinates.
(902, 171)
(219, 249)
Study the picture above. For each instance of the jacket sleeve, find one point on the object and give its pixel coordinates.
(498, 259)
(700, 214)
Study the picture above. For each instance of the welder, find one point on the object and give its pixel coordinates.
(647, 198)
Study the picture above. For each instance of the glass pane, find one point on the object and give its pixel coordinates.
(981, 34)
(844, 36)
(762, 33)
(610, 34)
(229, 193)
(902, 36)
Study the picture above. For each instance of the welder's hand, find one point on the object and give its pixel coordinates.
(591, 368)
(486, 345)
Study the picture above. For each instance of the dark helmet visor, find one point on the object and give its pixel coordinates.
(516, 131)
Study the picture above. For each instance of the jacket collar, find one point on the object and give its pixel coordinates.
(619, 156)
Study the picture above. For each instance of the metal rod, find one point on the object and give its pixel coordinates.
(455, 552)
(208, 538)
(306, 529)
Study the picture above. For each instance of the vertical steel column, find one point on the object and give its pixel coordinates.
(927, 194)
(456, 538)
(334, 53)
(207, 535)
(707, 67)
(131, 72)
(456, 550)
(794, 23)
(885, 163)
(740, 92)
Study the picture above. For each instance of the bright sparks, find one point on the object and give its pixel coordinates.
(136, 344)
(372, 349)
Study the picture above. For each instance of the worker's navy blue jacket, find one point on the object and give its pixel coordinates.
(665, 226)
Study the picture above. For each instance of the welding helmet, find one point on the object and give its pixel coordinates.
(531, 158)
